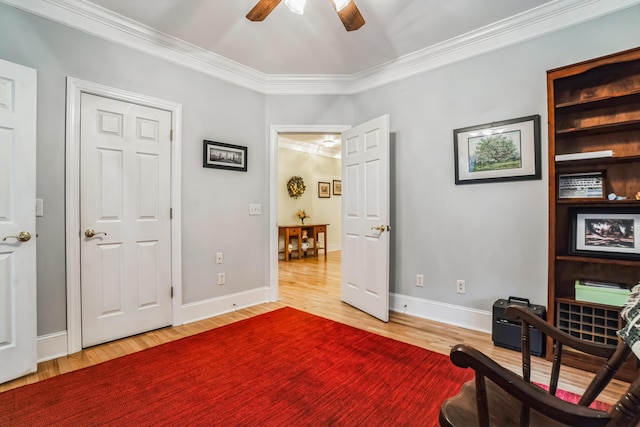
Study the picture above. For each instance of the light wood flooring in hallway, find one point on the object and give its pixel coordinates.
(313, 285)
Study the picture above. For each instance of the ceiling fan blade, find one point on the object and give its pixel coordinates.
(350, 16)
(262, 9)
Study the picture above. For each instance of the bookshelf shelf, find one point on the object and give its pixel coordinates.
(594, 126)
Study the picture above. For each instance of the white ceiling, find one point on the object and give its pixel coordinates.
(316, 42)
(314, 143)
(312, 53)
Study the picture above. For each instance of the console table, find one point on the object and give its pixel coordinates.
(290, 232)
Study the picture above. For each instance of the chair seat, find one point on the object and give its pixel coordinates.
(461, 410)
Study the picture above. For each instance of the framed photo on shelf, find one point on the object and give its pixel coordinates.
(605, 232)
(589, 185)
(337, 187)
(324, 190)
(500, 151)
(219, 155)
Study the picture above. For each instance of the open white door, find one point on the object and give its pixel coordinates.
(365, 217)
(18, 334)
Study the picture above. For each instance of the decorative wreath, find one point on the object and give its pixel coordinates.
(296, 186)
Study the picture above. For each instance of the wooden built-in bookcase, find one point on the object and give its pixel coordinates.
(594, 107)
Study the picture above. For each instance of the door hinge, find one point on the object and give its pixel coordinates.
(172, 292)
(171, 135)
(170, 213)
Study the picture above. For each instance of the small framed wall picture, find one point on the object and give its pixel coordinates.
(324, 190)
(337, 187)
(588, 185)
(605, 232)
(219, 155)
(508, 150)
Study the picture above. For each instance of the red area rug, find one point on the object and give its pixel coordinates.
(575, 398)
(283, 368)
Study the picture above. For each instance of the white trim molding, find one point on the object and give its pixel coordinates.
(464, 317)
(545, 19)
(225, 304)
(75, 88)
(52, 346)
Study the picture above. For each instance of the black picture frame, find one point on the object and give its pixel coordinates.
(218, 155)
(519, 140)
(324, 190)
(337, 187)
(605, 232)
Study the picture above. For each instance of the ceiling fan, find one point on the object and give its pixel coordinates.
(346, 9)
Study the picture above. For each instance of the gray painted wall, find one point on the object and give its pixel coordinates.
(492, 235)
(214, 202)
(495, 235)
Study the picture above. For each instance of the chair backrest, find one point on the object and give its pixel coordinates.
(626, 412)
(615, 355)
(500, 397)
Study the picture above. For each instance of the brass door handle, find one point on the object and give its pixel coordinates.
(380, 229)
(23, 236)
(90, 232)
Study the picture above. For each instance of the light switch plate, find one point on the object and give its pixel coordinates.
(39, 207)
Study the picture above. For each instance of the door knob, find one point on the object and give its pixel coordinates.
(23, 236)
(90, 232)
(380, 229)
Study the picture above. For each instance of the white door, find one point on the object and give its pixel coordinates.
(125, 235)
(18, 334)
(365, 217)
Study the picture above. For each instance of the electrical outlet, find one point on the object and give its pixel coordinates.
(218, 257)
(220, 278)
(255, 209)
(419, 280)
(461, 287)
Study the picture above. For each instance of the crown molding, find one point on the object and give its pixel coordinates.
(309, 148)
(545, 19)
(534, 23)
(97, 21)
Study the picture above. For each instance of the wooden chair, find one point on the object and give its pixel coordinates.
(499, 397)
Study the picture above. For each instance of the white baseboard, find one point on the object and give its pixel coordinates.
(51, 346)
(469, 318)
(54, 345)
(216, 306)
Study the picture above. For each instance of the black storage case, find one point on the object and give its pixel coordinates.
(508, 333)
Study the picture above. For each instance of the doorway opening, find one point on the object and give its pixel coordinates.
(302, 144)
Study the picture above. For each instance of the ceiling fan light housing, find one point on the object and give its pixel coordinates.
(296, 6)
(340, 4)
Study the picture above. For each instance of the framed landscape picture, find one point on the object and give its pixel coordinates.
(337, 187)
(500, 151)
(219, 155)
(605, 232)
(324, 190)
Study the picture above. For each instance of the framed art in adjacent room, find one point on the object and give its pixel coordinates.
(324, 190)
(500, 151)
(605, 232)
(337, 187)
(219, 155)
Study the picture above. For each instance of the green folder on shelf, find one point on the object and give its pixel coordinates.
(601, 293)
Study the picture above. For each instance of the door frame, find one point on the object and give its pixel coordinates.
(274, 132)
(75, 88)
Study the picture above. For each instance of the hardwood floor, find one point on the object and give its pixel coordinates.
(313, 285)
